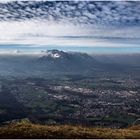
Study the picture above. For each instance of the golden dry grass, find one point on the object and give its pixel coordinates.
(29, 130)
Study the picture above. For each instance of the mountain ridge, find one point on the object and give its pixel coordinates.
(25, 129)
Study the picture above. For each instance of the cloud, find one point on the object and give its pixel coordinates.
(76, 23)
(50, 33)
(76, 12)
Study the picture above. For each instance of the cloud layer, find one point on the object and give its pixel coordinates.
(70, 23)
(76, 12)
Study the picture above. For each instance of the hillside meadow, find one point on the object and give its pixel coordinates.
(25, 129)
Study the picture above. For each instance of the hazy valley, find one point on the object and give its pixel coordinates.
(59, 87)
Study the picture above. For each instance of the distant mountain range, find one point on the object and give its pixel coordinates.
(61, 61)
(57, 62)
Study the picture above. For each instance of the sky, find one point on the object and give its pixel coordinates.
(94, 24)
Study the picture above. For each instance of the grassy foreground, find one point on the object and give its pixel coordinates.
(29, 130)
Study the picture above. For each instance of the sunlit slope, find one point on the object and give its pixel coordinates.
(29, 130)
